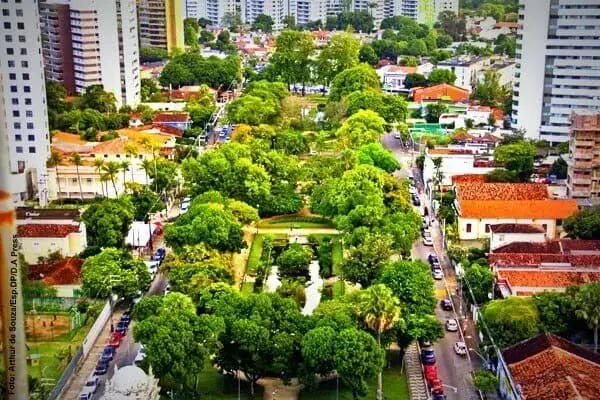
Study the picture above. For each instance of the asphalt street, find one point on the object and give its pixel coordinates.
(454, 370)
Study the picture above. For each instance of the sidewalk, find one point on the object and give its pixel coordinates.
(88, 364)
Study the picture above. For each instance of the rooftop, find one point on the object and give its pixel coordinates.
(64, 272)
(454, 152)
(551, 368)
(517, 228)
(462, 60)
(468, 178)
(501, 191)
(171, 117)
(30, 213)
(46, 230)
(559, 254)
(520, 209)
(547, 279)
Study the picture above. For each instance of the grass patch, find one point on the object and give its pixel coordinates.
(339, 289)
(255, 254)
(247, 289)
(298, 221)
(395, 385)
(337, 256)
(216, 386)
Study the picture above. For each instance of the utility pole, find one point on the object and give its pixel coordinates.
(11, 302)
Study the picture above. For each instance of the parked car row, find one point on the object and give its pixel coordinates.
(431, 373)
(107, 356)
(436, 269)
(427, 240)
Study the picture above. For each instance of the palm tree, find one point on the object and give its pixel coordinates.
(55, 159)
(588, 307)
(98, 163)
(132, 151)
(124, 165)
(111, 170)
(154, 147)
(380, 310)
(147, 167)
(77, 161)
(104, 180)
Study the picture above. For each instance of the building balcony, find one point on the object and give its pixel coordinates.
(584, 142)
(582, 164)
(581, 179)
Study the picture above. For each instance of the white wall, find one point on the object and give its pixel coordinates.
(501, 239)
(130, 53)
(451, 166)
(478, 226)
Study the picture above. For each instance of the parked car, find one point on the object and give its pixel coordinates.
(412, 189)
(427, 356)
(431, 374)
(167, 289)
(121, 327)
(416, 202)
(446, 304)
(141, 354)
(451, 325)
(115, 340)
(126, 318)
(101, 367)
(460, 348)
(426, 232)
(437, 273)
(434, 261)
(90, 387)
(185, 207)
(427, 241)
(162, 251)
(108, 353)
(438, 397)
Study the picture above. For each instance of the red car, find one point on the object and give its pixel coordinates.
(431, 374)
(115, 339)
(437, 387)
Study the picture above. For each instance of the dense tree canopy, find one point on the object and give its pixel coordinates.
(108, 222)
(511, 320)
(411, 282)
(584, 224)
(341, 53)
(518, 158)
(193, 69)
(291, 59)
(364, 127)
(359, 78)
(114, 272)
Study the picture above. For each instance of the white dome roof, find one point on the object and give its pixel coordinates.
(129, 379)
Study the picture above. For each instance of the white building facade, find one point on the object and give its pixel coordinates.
(558, 65)
(466, 68)
(23, 103)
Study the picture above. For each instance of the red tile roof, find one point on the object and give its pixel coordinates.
(576, 253)
(171, 117)
(548, 367)
(46, 230)
(64, 272)
(457, 152)
(519, 209)
(547, 279)
(502, 191)
(468, 178)
(517, 228)
(438, 92)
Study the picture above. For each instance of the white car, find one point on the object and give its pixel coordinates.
(140, 356)
(412, 190)
(451, 325)
(91, 386)
(185, 207)
(427, 241)
(460, 348)
(437, 274)
(167, 290)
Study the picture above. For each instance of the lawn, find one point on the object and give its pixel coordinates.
(337, 256)
(216, 386)
(298, 221)
(255, 254)
(395, 386)
(247, 289)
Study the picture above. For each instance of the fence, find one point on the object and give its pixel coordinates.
(50, 304)
(66, 375)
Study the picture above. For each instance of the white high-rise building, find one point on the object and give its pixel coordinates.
(215, 10)
(93, 42)
(277, 9)
(558, 65)
(23, 103)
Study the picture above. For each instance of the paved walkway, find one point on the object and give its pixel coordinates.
(293, 232)
(416, 384)
(239, 260)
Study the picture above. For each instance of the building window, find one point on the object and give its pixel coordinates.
(5, 12)
(18, 138)
(88, 180)
(7, 25)
(7, 38)
(12, 76)
(32, 149)
(13, 89)
(19, 149)
(27, 89)
(74, 180)
(17, 125)
(31, 138)
(21, 38)
(15, 102)
(25, 77)
(29, 113)
(16, 113)
(24, 64)
(468, 228)
(30, 125)
(11, 64)
(545, 226)
(10, 51)
(23, 51)
(21, 26)
(19, 12)
(487, 228)
(559, 222)
(28, 101)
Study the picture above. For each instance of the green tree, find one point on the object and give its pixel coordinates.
(359, 78)
(375, 154)
(145, 202)
(442, 41)
(441, 75)
(557, 311)
(190, 32)
(262, 336)
(367, 55)
(452, 24)
(415, 80)
(481, 281)
(364, 127)
(147, 307)
(294, 260)
(559, 168)
(584, 224)
(114, 271)
(178, 343)
(418, 327)
(97, 99)
(485, 381)
(511, 320)
(340, 54)
(164, 175)
(108, 222)
(518, 158)
(490, 92)
(412, 283)
(263, 23)
(289, 22)
(380, 311)
(357, 357)
(206, 37)
(366, 259)
(292, 57)
(417, 48)
(434, 110)
(587, 302)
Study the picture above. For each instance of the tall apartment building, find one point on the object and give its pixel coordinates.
(23, 103)
(193, 8)
(161, 24)
(429, 10)
(583, 180)
(277, 9)
(214, 10)
(92, 42)
(558, 65)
